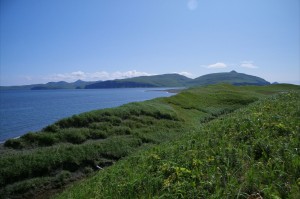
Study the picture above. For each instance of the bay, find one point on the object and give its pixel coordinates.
(22, 111)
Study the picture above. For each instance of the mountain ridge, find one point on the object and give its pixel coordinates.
(79, 84)
(177, 80)
(164, 80)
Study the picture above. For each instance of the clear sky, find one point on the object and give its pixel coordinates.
(53, 40)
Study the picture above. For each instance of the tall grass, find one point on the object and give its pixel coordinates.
(251, 153)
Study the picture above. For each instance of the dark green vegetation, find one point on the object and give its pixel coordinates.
(74, 147)
(166, 80)
(175, 80)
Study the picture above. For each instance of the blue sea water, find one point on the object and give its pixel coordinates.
(22, 111)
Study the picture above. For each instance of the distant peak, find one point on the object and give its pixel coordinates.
(60, 82)
(233, 71)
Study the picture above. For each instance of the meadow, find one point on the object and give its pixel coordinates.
(251, 153)
(218, 141)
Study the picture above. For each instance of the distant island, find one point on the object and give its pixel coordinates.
(165, 80)
(79, 84)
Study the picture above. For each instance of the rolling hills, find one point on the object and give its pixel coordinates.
(176, 80)
(165, 80)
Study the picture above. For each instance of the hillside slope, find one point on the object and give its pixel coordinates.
(252, 153)
(76, 147)
(232, 78)
(166, 80)
(176, 80)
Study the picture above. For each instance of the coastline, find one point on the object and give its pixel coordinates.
(173, 90)
(60, 104)
(77, 146)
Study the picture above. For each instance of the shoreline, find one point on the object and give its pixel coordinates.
(133, 94)
(172, 90)
(175, 90)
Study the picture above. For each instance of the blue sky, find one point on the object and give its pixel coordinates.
(53, 40)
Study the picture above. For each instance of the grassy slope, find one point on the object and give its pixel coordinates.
(252, 152)
(176, 80)
(72, 147)
(166, 80)
(231, 77)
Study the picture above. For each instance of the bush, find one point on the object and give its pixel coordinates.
(46, 139)
(113, 120)
(75, 137)
(132, 124)
(62, 178)
(97, 134)
(52, 128)
(104, 126)
(20, 189)
(87, 170)
(14, 143)
(121, 130)
(30, 137)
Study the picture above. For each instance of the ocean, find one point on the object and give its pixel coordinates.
(23, 111)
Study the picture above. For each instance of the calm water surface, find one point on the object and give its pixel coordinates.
(24, 111)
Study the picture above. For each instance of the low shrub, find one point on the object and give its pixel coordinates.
(62, 178)
(14, 143)
(52, 128)
(97, 134)
(47, 139)
(88, 170)
(74, 136)
(104, 126)
(120, 130)
(30, 137)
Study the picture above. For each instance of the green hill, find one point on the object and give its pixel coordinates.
(176, 80)
(124, 137)
(166, 80)
(232, 78)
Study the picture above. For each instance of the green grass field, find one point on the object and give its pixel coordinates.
(216, 141)
(252, 152)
